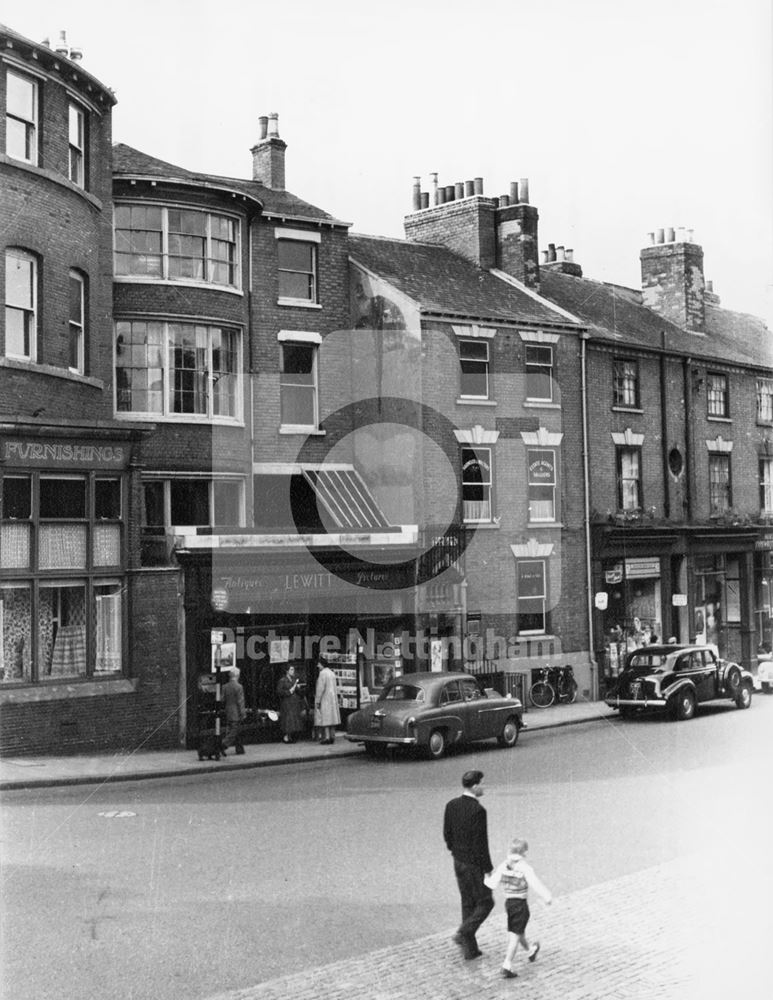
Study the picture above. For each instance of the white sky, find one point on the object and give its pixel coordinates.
(625, 116)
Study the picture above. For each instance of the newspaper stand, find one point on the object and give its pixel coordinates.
(210, 718)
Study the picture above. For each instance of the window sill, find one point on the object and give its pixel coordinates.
(627, 409)
(719, 420)
(298, 303)
(472, 401)
(535, 404)
(545, 524)
(64, 690)
(309, 431)
(488, 525)
(179, 418)
(52, 371)
(147, 279)
(765, 423)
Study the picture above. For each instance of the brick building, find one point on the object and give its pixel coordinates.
(679, 446)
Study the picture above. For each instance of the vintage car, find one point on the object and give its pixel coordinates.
(432, 711)
(677, 678)
(764, 678)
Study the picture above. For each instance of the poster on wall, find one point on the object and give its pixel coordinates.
(279, 651)
(223, 656)
(344, 666)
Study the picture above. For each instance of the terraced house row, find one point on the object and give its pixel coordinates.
(234, 431)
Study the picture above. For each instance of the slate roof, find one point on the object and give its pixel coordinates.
(443, 282)
(615, 313)
(131, 162)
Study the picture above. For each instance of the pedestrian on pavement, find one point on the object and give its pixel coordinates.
(326, 713)
(465, 830)
(517, 877)
(290, 717)
(235, 712)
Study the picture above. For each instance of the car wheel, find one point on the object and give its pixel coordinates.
(437, 744)
(744, 697)
(733, 681)
(509, 735)
(684, 705)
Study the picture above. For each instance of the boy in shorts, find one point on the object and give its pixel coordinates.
(517, 877)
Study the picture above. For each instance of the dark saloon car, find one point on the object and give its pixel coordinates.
(678, 678)
(432, 711)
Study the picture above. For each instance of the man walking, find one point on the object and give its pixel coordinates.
(466, 835)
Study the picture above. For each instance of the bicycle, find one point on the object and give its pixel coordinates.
(555, 684)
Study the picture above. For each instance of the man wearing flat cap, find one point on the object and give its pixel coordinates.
(465, 831)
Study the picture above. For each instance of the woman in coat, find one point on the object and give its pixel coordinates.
(326, 714)
(290, 705)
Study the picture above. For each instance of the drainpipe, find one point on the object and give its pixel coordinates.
(664, 428)
(584, 337)
(688, 436)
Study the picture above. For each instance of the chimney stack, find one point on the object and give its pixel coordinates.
(672, 279)
(268, 155)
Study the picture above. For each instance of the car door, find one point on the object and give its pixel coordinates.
(473, 704)
(706, 674)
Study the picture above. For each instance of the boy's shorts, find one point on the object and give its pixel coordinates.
(517, 915)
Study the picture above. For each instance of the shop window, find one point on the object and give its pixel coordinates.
(629, 483)
(539, 372)
(64, 543)
(764, 400)
(16, 522)
(21, 321)
(531, 583)
(766, 486)
(15, 632)
(177, 369)
(626, 383)
(720, 487)
(77, 327)
(77, 145)
(474, 365)
(717, 395)
(541, 464)
(297, 271)
(176, 244)
(298, 385)
(21, 117)
(477, 483)
(108, 618)
(191, 502)
(62, 629)
(106, 545)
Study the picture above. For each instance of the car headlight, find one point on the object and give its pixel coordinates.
(411, 722)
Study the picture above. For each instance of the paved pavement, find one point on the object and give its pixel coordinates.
(41, 772)
(657, 934)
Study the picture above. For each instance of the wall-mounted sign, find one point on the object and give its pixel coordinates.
(614, 574)
(636, 569)
(679, 600)
(602, 599)
(219, 599)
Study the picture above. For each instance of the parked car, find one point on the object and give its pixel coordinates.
(764, 679)
(432, 711)
(678, 678)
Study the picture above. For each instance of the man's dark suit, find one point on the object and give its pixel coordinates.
(465, 831)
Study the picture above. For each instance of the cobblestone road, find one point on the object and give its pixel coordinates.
(696, 928)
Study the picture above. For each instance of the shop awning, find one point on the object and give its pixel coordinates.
(344, 495)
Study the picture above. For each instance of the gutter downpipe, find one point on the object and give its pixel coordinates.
(584, 337)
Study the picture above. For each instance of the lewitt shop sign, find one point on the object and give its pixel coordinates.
(242, 588)
(20, 452)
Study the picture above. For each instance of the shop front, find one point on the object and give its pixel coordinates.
(263, 610)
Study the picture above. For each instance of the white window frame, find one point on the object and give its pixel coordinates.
(166, 481)
(487, 486)
(521, 564)
(166, 413)
(720, 460)
(764, 400)
(766, 485)
(717, 395)
(626, 381)
(29, 310)
(313, 240)
(310, 341)
(31, 125)
(533, 368)
(77, 327)
(476, 343)
(164, 253)
(77, 144)
(624, 454)
(532, 458)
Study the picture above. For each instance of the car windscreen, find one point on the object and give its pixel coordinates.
(647, 661)
(402, 692)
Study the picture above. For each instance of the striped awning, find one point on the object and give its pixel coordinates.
(346, 499)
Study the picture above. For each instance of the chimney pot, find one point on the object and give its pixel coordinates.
(440, 196)
(560, 255)
(569, 255)
(551, 252)
(425, 199)
(710, 286)
(268, 154)
(523, 190)
(514, 192)
(544, 256)
(690, 235)
(459, 189)
(659, 236)
(469, 189)
(669, 235)
(449, 192)
(61, 45)
(478, 185)
(273, 124)
(76, 53)
(263, 123)
(504, 200)
(416, 193)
